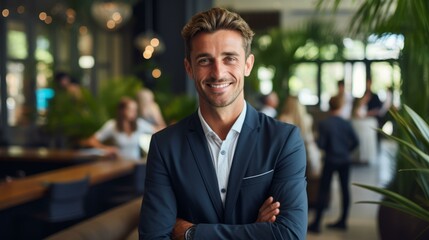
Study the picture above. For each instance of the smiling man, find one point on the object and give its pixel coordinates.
(226, 171)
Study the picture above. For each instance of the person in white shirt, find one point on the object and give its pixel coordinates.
(346, 110)
(125, 131)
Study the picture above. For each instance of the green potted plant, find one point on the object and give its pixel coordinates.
(409, 191)
(70, 119)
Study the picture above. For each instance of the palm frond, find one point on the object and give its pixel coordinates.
(398, 202)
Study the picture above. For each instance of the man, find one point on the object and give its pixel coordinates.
(337, 139)
(346, 110)
(226, 171)
(374, 104)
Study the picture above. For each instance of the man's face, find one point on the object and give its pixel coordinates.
(218, 66)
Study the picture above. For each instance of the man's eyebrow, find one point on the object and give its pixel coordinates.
(230, 53)
(202, 55)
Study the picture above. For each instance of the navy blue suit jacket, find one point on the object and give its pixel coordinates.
(181, 182)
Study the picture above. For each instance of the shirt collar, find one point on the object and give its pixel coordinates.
(237, 126)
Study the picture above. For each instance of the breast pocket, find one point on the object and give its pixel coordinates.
(258, 178)
(253, 192)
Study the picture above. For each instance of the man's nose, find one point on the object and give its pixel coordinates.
(218, 70)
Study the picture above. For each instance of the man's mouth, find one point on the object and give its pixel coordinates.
(223, 85)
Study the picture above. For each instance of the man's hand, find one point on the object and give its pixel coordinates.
(180, 228)
(268, 211)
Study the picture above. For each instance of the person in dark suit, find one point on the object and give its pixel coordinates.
(226, 171)
(337, 139)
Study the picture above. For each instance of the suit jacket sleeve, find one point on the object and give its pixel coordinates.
(158, 211)
(288, 186)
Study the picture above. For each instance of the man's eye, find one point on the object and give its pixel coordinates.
(230, 59)
(203, 61)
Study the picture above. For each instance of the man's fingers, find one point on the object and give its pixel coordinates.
(266, 204)
(269, 208)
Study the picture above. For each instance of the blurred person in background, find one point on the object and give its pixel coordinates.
(270, 103)
(374, 104)
(295, 113)
(69, 99)
(148, 109)
(348, 100)
(337, 139)
(125, 131)
(64, 82)
(359, 107)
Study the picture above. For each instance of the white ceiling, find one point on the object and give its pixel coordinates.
(294, 13)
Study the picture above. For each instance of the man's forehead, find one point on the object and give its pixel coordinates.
(227, 40)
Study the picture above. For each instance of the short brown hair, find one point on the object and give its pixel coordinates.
(213, 20)
(336, 102)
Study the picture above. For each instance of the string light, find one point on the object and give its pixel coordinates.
(149, 44)
(147, 55)
(20, 9)
(42, 16)
(112, 14)
(156, 73)
(5, 12)
(154, 42)
(48, 20)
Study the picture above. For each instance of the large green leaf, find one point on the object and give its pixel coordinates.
(423, 128)
(411, 146)
(399, 202)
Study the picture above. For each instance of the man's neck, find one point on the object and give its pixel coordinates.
(336, 112)
(221, 119)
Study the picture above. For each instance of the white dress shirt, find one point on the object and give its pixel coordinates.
(222, 152)
(128, 145)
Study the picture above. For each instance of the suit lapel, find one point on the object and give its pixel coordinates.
(242, 156)
(198, 146)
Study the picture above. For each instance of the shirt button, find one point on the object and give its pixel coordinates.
(223, 190)
(223, 152)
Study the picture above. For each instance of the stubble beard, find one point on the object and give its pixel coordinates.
(220, 104)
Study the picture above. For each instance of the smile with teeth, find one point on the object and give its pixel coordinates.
(223, 85)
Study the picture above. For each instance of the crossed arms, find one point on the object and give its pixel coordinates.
(283, 215)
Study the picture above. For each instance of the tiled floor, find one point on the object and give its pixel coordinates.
(362, 223)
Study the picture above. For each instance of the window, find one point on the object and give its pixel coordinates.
(303, 83)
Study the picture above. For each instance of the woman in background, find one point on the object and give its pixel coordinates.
(295, 113)
(149, 109)
(125, 131)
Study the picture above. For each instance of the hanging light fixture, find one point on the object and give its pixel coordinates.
(149, 42)
(111, 14)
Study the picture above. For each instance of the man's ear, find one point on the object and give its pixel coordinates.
(250, 60)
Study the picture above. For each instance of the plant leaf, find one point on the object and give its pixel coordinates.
(411, 146)
(420, 123)
(399, 202)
